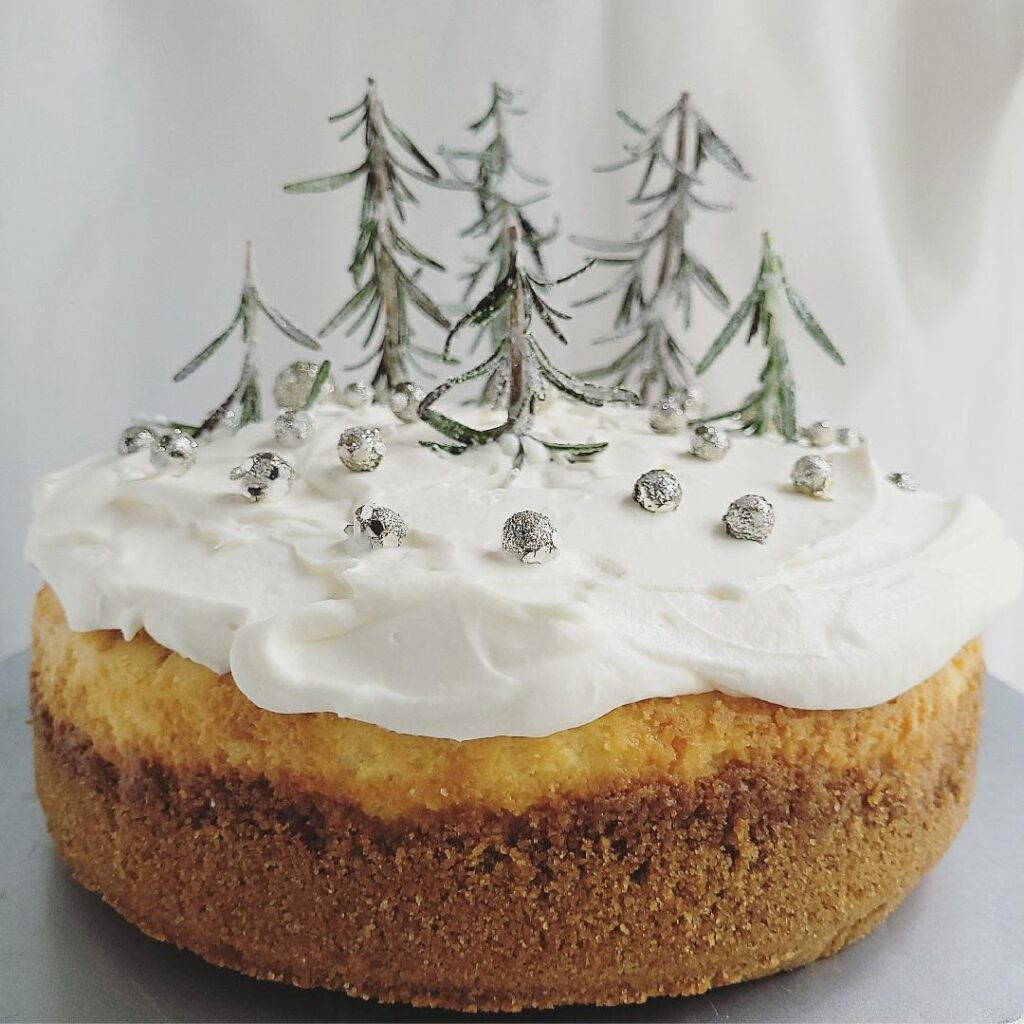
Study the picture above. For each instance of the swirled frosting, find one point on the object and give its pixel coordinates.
(850, 602)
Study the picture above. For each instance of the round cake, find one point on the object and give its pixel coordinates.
(665, 760)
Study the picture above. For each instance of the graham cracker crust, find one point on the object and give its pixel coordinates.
(662, 887)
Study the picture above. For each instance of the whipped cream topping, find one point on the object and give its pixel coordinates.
(850, 602)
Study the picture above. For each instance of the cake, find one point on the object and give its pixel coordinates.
(517, 702)
(665, 760)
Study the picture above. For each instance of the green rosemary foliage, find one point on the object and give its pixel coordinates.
(245, 397)
(773, 405)
(492, 169)
(657, 273)
(520, 297)
(322, 373)
(385, 265)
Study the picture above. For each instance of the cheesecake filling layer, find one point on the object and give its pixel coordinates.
(851, 601)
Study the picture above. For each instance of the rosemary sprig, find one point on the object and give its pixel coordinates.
(245, 397)
(520, 298)
(656, 272)
(773, 404)
(491, 174)
(317, 386)
(385, 265)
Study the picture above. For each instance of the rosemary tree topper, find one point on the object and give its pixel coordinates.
(385, 265)
(773, 404)
(657, 269)
(520, 295)
(494, 168)
(245, 397)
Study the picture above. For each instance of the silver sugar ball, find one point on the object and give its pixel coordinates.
(405, 401)
(849, 437)
(361, 449)
(748, 414)
(530, 536)
(904, 481)
(228, 424)
(812, 474)
(264, 476)
(820, 433)
(691, 401)
(667, 416)
(173, 453)
(134, 439)
(292, 385)
(709, 442)
(657, 490)
(750, 518)
(379, 526)
(357, 395)
(293, 427)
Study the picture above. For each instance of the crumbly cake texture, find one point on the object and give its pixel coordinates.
(673, 845)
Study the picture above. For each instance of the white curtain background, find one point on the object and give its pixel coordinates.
(143, 143)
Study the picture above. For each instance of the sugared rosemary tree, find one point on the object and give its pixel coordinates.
(519, 295)
(657, 270)
(492, 173)
(773, 404)
(245, 397)
(385, 264)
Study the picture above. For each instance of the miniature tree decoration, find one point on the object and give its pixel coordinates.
(519, 295)
(245, 399)
(385, 288)
(497, 211)
(658, 271)
(773, 405)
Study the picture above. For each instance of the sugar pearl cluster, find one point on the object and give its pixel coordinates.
(750, 516)
(527, 535)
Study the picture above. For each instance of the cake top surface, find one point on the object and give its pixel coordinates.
(850, 601)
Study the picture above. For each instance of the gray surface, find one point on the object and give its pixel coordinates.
(953, 952)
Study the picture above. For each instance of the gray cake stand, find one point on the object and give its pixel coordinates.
(953, 952)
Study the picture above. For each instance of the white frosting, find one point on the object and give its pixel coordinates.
(850, 602)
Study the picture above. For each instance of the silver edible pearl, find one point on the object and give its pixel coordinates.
(361, 449)
(904, 481)
(379, 526)
(264, 476)
(173, 453)
(292, 385)
(657, 490)
(750, 518)
(849, 437)
(357, 395)
(667, 416)
(820, 433)
(709, 442)
(293, 427)
(812, 474)
(530, 536)
(134, 439)
(405, 401)
(229, 424)
(748, 411)
(691, 401)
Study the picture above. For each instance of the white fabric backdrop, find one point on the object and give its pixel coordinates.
(143, 143)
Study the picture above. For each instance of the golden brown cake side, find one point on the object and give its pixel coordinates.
(738, 856)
